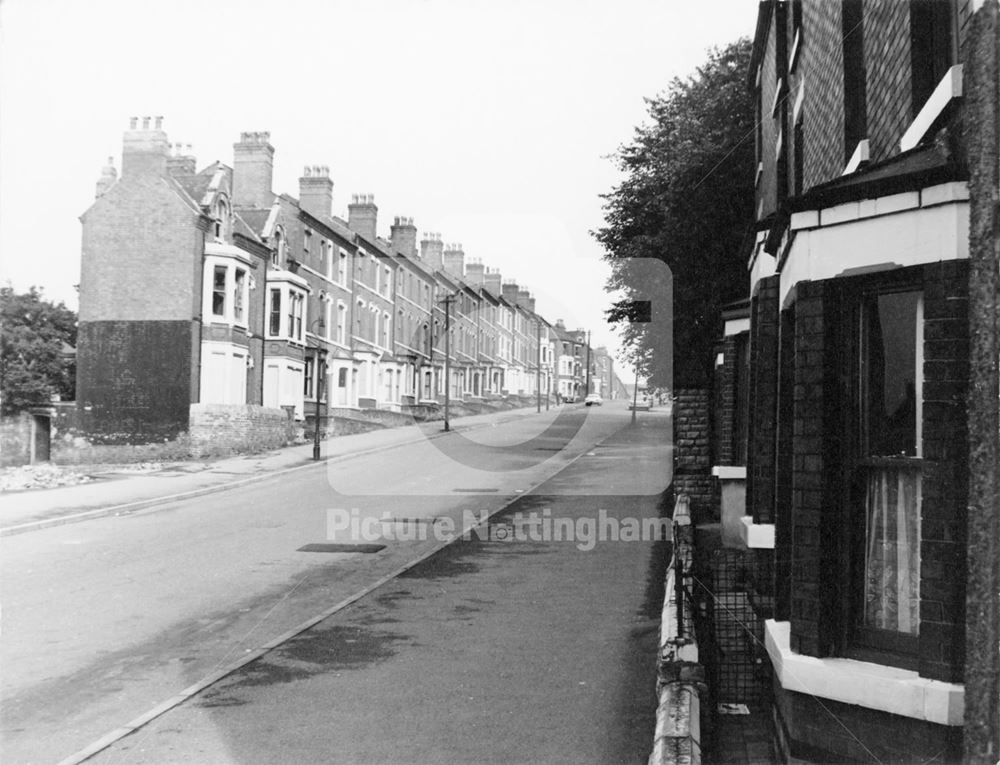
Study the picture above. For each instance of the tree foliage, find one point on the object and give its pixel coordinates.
(34, 336)
(686, 199)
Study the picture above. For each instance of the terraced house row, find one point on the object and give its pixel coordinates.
(208, 288)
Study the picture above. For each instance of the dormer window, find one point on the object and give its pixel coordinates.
(278, 256)
(221, 220)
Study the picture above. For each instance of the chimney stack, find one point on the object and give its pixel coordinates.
(510, 292)
(108, 177)
(404, 237)
(454, 260)
(253, 170)
(431, 248)
(531, 304)
(145, 149)
(362, 215)
(475, 272)
(523, 296)
(316, 191)
(491, 280)
(181, 161)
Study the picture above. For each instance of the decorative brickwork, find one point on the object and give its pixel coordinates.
(692, 454)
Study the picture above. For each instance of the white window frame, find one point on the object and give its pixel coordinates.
(288, 292)
(232, 263)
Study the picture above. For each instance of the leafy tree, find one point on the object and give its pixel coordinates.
(687, 199)
(34, 334)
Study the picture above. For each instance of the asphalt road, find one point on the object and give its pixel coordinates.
(106, 619)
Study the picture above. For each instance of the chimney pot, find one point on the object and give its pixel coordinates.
(133, 122)
(145, 123)
(159, 123)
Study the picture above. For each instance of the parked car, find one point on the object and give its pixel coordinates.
(593, 399)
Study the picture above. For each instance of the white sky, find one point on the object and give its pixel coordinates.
(490, 122)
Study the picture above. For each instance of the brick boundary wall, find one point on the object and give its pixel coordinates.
(246, 427)
(692, 451)
(15, 440)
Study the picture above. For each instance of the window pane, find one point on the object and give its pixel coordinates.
(890, 361)
(219, 291)
(892, 550)
(275, 328)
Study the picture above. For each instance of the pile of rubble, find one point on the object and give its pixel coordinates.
(40, 477)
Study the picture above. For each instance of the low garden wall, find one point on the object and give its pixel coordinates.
(242, 428)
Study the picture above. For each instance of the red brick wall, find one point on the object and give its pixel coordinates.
(141, 256)
(821, 71)
(945, 472)
(767, 200)
(763, 401)
(725, 403)
(245, 428)
(887, 62)
(692, 451)
(815, 511)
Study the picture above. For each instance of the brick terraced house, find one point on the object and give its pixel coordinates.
(206, 290)
(841, 441)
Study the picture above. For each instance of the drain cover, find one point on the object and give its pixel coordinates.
(331, 547)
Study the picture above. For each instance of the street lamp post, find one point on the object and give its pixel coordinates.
(319, 357)
(447, 300)
(635, 392)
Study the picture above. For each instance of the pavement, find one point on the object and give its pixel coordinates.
(500, 648)
(112, 493)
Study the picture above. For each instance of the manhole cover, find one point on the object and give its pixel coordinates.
(331, 547)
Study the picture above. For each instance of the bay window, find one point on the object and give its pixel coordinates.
(227, 280)
(286, 312)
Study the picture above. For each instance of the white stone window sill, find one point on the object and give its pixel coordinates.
(756, 536)
(730, 472)
(861, 683)
(950, 87)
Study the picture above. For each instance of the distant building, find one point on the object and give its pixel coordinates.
(208, 288)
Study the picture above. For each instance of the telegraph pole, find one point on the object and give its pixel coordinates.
(538, 366)
(588, 363)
